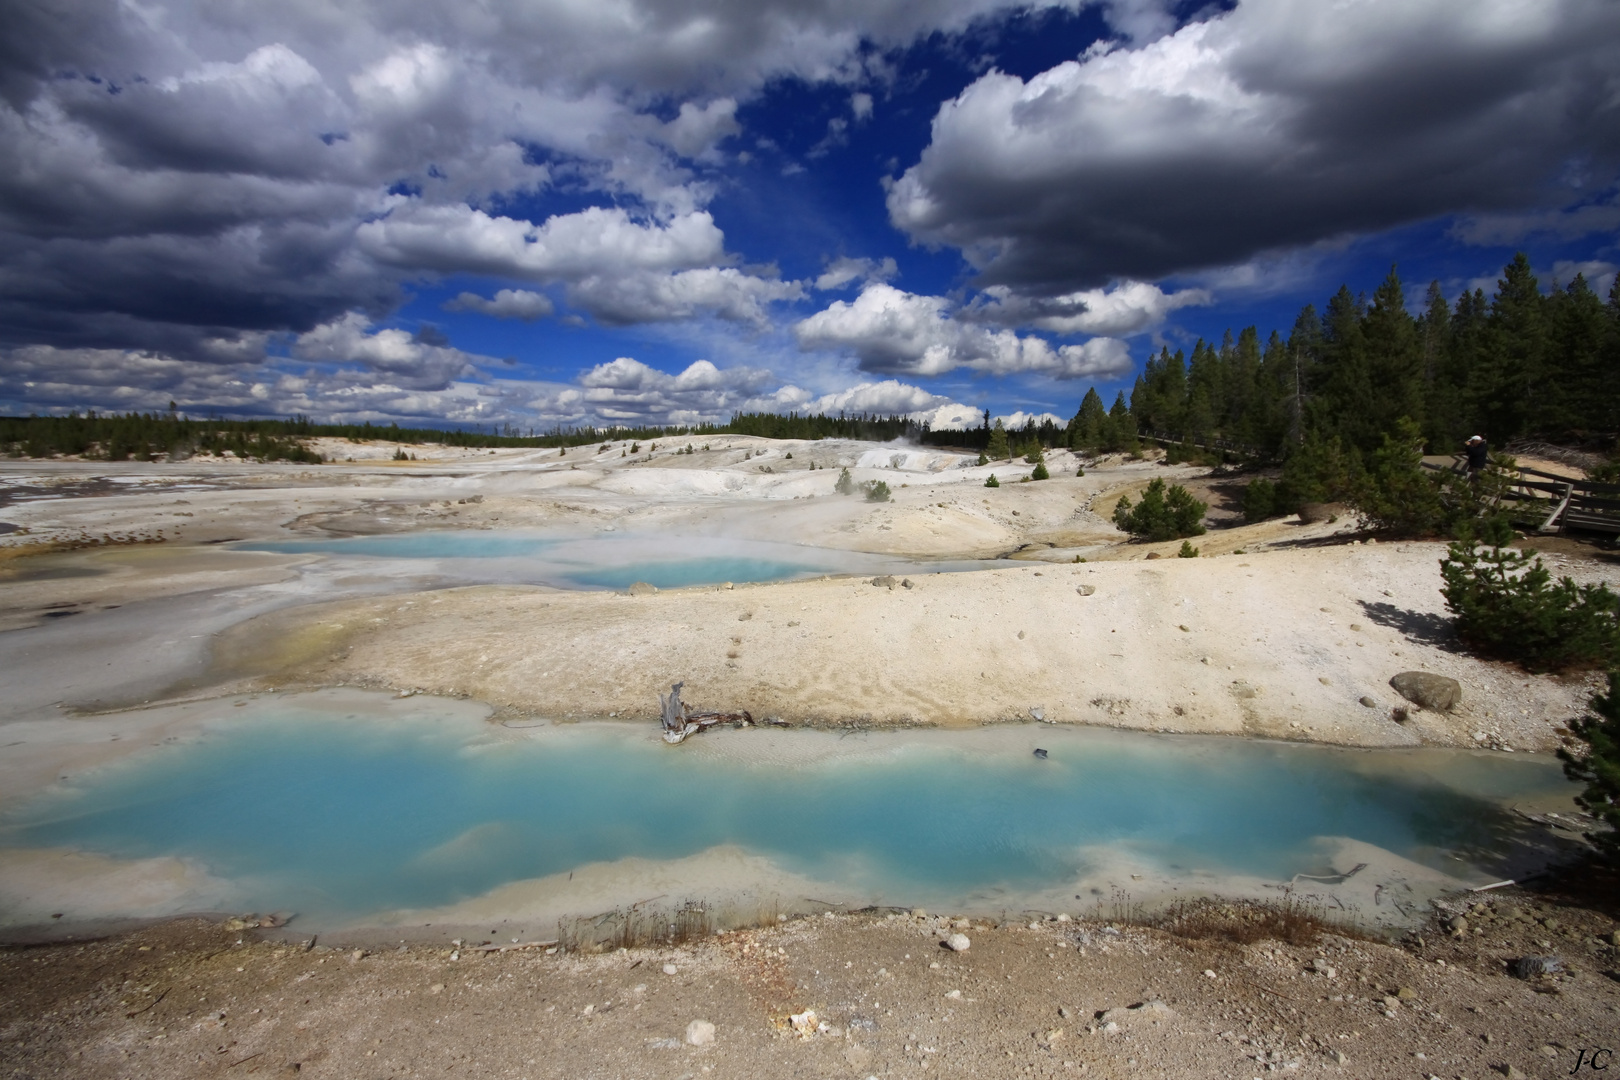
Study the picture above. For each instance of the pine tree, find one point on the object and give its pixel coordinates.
(1507, 392)
(999, 449)
(1578, 327)
(1599, 769)
(1122, 430)
(1088, 430)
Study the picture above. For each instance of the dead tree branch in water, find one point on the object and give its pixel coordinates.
(680, 721)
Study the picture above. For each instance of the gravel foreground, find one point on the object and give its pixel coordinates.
(863, 995)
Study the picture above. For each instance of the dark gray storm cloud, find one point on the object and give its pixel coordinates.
(1273, 125)
(184, 171)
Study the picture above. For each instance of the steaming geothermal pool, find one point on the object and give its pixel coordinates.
(345, 807)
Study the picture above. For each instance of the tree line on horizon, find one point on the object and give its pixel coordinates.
(1517, 364)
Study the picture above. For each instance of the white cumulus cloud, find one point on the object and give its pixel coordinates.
(890, 330)
(505, 304)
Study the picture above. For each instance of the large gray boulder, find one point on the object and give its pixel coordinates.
(1428, 690)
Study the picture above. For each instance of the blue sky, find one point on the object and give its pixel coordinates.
(554, 212)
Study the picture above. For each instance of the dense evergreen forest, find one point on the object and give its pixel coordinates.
(1517, 364)
(1514, 365)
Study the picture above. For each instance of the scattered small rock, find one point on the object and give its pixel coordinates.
(1086, 590)
(1040, 753)
(1457, 925)
(745, 616)
(1530, 967)
(641, 588)
(669, 969)
(1369, 702)
(885, 582)
(1154, 555)
(1338, 1057)
(953, 995)
(958, 943)
(1037, 712)
(699, 1033)
(905, 583)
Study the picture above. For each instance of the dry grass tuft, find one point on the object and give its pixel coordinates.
(1292, 920)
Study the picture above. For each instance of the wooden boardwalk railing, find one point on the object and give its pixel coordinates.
(1203, 443)
(1556, 504)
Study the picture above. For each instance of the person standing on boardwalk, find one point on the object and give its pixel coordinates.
(1479, 455)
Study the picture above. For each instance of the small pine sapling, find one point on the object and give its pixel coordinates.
(1187, 551)
(1507, 605)
(845, 485)
(992, 482)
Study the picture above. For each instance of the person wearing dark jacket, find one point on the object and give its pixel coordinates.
(1479, 455)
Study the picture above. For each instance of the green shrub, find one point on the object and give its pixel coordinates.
(1259, 500)
(845, 484)
(1599, 769)
(1187, 551)
(401, 455)
(1395, 494)
(1040, 472)
(1081, 471)
(1163, 514)
(1032, 453)
(877, 491)
(983, 459)
(992, 482)
(1507, 605)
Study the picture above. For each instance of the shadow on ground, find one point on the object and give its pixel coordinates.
(1420, 627)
